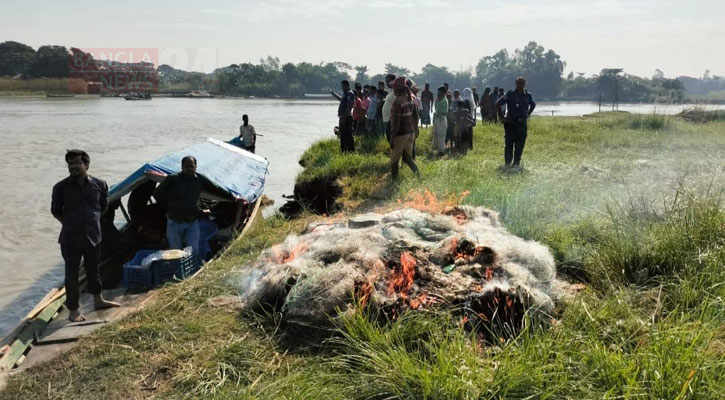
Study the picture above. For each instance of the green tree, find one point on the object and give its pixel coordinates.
(434, 75)
(15, 58)
(361, 75)
(398, 71)
(542, 69)
(50, 62)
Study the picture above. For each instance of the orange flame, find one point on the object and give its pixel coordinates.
(366, 291)
(289, 257)
(401, 281)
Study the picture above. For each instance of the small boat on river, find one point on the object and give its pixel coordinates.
(230, 206)
(138, 96)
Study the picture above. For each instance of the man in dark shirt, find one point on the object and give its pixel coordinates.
(179, 194)
(426, 99)
(344, 114)
(78, 203)
(519, 106)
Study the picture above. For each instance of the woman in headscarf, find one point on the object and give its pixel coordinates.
(467, 95)
(486, 105)
(440, 121)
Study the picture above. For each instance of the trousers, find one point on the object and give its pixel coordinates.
(183, 234)
(402, 147)
(347, 142)
(72, 256)
(515, 140)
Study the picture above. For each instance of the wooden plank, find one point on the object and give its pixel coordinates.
(71, 332)
(27, 336)
(42, 303)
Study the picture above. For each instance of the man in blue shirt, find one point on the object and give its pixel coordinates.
(519, 106)
(78, 203)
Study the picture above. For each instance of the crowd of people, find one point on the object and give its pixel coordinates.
(397, 108)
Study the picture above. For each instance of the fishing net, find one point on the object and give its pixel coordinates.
(406, 259)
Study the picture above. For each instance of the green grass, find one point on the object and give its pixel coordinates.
(632, 205)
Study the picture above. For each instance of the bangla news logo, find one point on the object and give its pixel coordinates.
(114, 70)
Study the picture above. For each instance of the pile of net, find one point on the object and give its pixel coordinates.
(404, 260)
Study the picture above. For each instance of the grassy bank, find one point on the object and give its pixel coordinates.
(630, 205)
(37, 86)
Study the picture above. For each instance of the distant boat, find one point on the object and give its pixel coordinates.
(137, 97)
(60, 95)
(200, 94)
(318, 96)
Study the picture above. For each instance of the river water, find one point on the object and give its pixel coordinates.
(120, 136)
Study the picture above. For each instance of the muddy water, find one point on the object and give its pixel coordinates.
(120, 136)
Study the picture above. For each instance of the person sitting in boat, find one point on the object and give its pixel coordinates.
(179, 194)
(247, 134)
(78, 203)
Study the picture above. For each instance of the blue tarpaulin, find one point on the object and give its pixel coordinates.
(238, 172)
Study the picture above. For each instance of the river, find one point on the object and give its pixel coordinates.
(120, 136)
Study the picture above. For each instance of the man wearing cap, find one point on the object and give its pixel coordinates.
(403, 126)
(519, 106)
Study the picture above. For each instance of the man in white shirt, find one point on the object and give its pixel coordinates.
(388, 105)
(247, 134)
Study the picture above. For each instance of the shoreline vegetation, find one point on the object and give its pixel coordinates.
(271, 78)
(631, 207)
(40, 87)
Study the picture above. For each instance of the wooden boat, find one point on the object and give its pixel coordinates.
(137, 96)
(233, 204)
(200, 94)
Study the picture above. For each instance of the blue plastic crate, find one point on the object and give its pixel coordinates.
(166, 270)
(134, 275)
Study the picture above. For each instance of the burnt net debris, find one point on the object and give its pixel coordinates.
(461, 258)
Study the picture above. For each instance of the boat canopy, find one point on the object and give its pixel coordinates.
(237, 172)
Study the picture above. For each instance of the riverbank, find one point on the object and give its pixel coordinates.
(630, 205)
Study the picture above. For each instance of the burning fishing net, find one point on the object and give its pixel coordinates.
(406, 259)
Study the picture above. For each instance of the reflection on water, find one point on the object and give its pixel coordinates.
(120, 136)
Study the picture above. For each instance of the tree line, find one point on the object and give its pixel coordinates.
(544, 70)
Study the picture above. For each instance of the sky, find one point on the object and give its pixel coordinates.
(676, 36)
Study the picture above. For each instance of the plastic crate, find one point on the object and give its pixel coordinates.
(134, 275)
(188, 267)
(166, 270)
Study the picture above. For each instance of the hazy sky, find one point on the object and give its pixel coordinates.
(680, 37)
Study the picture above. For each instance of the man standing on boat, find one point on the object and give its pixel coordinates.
(78, 203)
(247, 134)
(179, 194)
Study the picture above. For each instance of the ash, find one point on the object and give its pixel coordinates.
(405, 260)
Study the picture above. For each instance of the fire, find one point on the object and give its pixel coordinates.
(423, 301)
(366, 291)
(284, 257)
(489, 274)
(401, 281)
